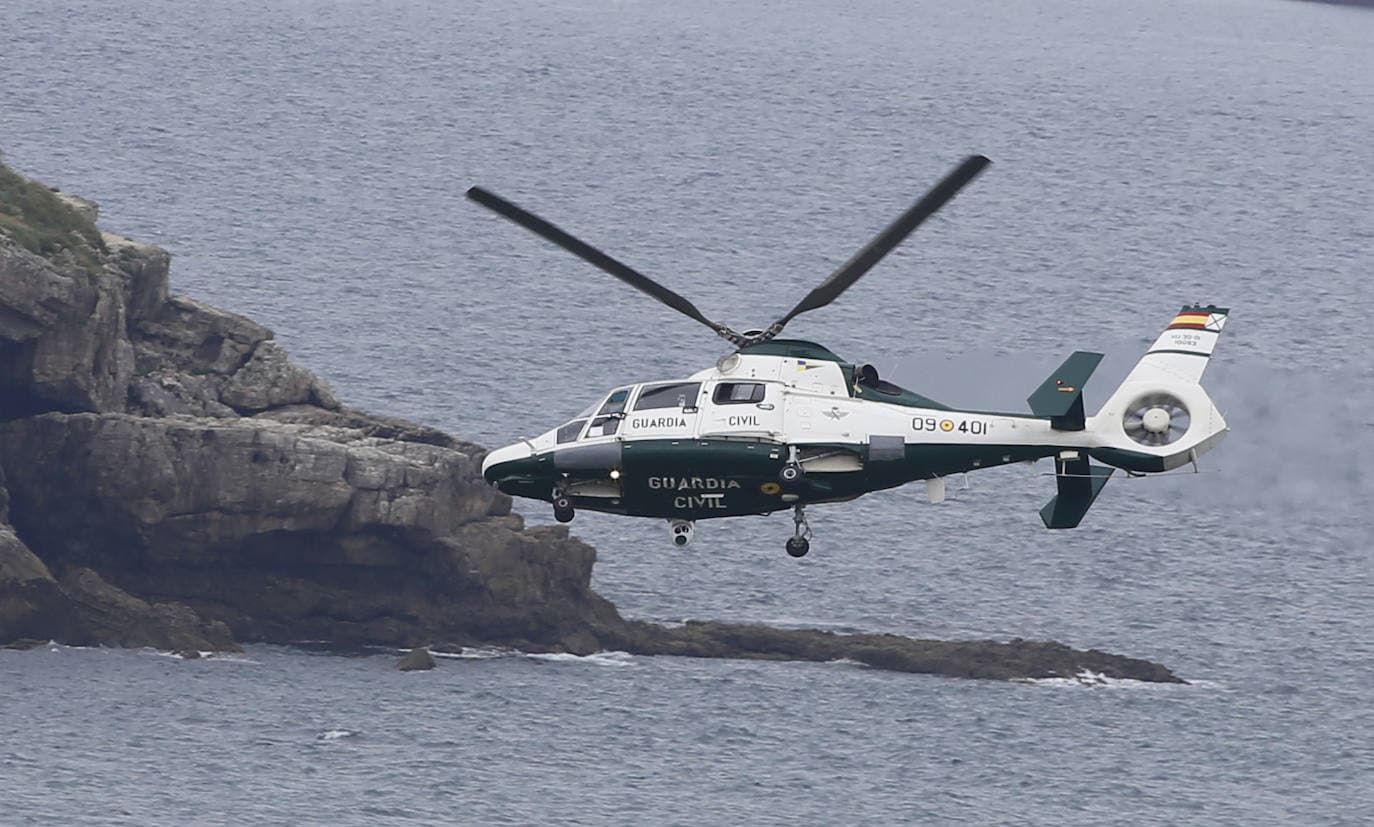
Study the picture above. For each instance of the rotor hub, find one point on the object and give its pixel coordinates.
(1156, 420)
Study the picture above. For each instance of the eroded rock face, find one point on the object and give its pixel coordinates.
(197, 360)
(82, 609)
(62, 336)
(293, 531)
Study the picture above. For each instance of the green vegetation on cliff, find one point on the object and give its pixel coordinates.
(41, 223)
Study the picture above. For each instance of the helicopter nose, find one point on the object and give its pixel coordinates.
(502, 462)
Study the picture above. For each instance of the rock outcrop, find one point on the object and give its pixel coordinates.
(169, 478)
(418, 659)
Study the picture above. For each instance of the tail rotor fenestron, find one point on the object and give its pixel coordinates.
(1157, 419)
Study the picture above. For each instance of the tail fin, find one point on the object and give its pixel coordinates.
(1160, 417)
(1060, 397)
(1182, 351)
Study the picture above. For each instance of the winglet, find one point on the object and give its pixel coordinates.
(1060, 397)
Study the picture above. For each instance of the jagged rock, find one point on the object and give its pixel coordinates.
(17, 563)
(24, 643)
(191, 337)
(147, 266)
(169, 393)
(62, 336)
(269, 380)
(372, 425)
(292, 531)
(33, 293)
(170, 483)
(197, 360)
(84, 207)
(108, 616)
(31, 604)
(83, 609)
(418, 659)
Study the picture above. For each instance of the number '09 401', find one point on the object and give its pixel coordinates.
(976, 427)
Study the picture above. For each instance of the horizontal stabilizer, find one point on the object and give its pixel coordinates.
(1060, 397)
(1079, 484)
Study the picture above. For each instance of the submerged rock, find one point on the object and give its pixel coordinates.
(169, 478)
(418, 659)
(1016, 659)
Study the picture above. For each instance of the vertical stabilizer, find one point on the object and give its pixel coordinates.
(1160, 417)
(1182, 351)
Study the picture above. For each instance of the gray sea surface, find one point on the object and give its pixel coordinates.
(305, 163)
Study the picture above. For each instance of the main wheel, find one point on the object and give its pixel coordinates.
(791, 476)
(563, 509)
(798, 546)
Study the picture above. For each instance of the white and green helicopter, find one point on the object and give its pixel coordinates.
(784, 423)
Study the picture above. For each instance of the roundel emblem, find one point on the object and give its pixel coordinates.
(770, 488)
(946, 424)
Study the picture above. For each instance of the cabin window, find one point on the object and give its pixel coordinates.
(738, 393)
(569, 432)
(675, 395)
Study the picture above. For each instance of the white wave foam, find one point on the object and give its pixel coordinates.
(596, 658)
(493, 653)
(1090, 679)
(54, 646)
(477, 653)
(849, 662)
(217, 657)
(335, 734)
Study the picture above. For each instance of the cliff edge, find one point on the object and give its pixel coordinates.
(169, 478)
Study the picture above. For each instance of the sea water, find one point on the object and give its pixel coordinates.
(305, 163)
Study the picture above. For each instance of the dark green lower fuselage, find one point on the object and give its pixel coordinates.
(702, 478)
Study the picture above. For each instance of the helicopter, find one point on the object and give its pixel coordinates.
(781, 424)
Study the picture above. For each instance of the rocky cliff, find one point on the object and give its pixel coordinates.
(169, 478)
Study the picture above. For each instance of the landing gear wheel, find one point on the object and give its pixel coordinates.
(798, 546)
(791, 476)
(563, 509)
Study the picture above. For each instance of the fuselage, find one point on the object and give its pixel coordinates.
(715, 443)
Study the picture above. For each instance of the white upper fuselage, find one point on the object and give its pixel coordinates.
(799, 402)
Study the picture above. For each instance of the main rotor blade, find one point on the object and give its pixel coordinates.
(863, 261)
(588, 253)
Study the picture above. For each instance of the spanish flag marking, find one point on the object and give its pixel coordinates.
(1197, 320)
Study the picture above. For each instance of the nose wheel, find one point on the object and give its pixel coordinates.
(800, 542)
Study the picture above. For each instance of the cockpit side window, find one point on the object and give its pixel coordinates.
(569, 432)
(673, 395)
(738, 393)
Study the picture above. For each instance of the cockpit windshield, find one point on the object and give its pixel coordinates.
(607, 420)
